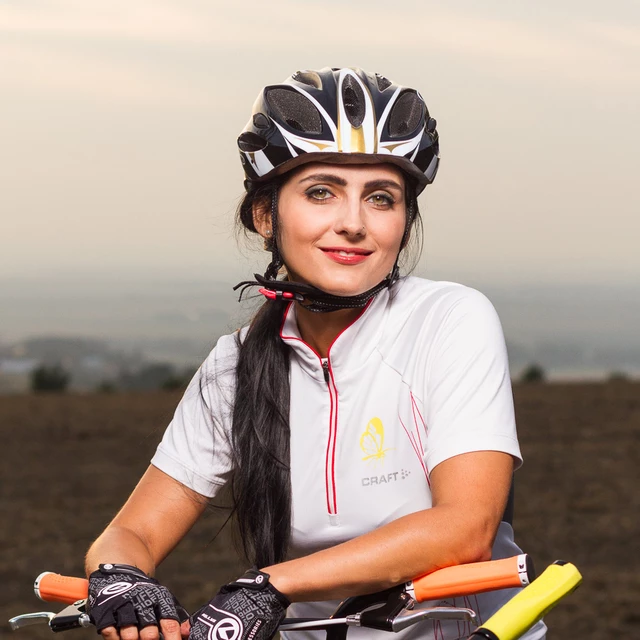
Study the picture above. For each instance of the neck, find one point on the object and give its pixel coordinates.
(319, 330)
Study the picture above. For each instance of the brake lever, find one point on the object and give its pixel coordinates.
(71, 617)
(407, 618)
(399, 612)
(29, 619)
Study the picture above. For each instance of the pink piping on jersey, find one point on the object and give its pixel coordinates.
(452, 603)
(330, 488)
(464, 628)
(414, 408)
(416, 450)
(330, 456)
(332, 504)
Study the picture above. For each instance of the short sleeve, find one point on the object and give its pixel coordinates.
(195, 447)
(469, 400)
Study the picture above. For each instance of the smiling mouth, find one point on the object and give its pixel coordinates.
(347, 253)
(347, 256)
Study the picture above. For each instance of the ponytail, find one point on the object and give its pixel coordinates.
(261, 485)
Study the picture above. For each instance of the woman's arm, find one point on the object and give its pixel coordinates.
(469, 497)
(157, 515)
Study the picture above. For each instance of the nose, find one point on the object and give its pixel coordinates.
(350, 218)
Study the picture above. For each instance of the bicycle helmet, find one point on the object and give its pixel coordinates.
(338, 116)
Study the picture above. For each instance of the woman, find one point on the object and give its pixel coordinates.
(364, 421)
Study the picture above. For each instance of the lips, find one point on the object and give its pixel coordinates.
(346, 255)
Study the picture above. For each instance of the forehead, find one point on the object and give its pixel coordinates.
(352, 173)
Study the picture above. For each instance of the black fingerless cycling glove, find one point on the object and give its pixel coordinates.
(120, 595)
(248, 609)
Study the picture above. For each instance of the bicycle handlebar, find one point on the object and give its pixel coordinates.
(460, 580)
(509, 623)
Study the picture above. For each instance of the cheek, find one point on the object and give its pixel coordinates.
(389, 232)
(299, 228)
(296, 234)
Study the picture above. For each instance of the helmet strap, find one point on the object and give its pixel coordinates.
(277, 262)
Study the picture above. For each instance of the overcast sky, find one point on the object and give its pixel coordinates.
(119, 120)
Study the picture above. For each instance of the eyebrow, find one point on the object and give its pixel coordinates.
(382, 184)
(325, 177)
(333, 179)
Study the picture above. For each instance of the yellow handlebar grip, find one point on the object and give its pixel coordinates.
(531, 604)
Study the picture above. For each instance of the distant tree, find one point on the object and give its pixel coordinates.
(151, 377)
(533, 373)
(618, 376)
(107, 386)
(173, 383)
(50, 378)
(180, 380)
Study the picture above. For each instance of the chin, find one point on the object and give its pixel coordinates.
(345, 288)
(339, 282)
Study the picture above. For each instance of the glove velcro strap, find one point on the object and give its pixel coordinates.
(256, 580)
(109, 569)
(251, 579)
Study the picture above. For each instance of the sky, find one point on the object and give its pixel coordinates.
(119, 124)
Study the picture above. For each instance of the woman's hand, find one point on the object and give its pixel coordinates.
(124, 602)
(250, 607)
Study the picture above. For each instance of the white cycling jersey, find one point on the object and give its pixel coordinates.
(421, 376)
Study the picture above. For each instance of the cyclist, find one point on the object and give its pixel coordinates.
(363, 421)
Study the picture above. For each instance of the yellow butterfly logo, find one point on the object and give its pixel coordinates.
(372, 440)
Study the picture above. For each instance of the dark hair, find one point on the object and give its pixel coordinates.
(261, 484)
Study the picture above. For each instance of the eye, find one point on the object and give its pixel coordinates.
(382, 200)
(318, 193)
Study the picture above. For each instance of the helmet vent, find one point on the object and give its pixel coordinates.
(260, 121)
(383, 83)
(406, 114)
(292, 108)
(310, 78)
(251, 142)
(353, 100)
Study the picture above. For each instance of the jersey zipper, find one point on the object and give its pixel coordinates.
(325, 368)
(330, 461)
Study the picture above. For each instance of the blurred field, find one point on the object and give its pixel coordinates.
(70, 461)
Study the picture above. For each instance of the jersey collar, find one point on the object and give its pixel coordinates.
(351, 348)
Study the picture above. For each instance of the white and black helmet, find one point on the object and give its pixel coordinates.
(339, 116)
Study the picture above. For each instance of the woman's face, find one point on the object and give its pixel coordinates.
(340, 226)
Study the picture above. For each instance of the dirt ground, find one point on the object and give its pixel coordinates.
(70, 461)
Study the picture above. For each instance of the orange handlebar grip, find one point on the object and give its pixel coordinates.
(52, 587)
(477, 577)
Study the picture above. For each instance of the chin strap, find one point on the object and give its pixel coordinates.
(311, 297)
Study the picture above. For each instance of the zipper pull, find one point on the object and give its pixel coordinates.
(325, 369)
